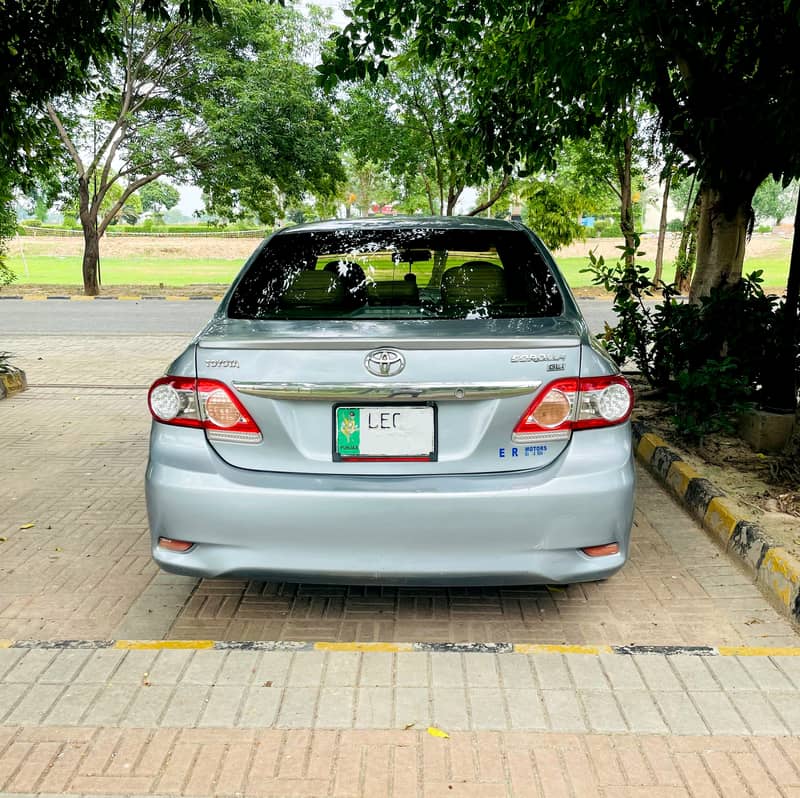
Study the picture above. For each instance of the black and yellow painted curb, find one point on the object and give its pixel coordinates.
(774, 569)
(398, 648)
(12, 381)
(107, 298)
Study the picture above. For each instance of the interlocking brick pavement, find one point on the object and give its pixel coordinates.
(459, 691)
(678, 588)
(272, 762)
(73, 466)
(106, 721)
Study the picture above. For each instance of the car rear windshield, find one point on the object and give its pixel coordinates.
(397, 274)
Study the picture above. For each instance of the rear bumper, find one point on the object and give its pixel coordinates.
(507, 528)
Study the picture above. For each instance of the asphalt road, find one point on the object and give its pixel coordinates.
(154, 317)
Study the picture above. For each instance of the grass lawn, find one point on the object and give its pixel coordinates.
(66, 270)
(775, 268)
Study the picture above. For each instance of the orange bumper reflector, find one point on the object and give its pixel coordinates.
(175, 545)
(601, 551)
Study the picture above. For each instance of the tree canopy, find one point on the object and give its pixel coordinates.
(48, 49)
(270, 135)
(413, 121)
(723, 76)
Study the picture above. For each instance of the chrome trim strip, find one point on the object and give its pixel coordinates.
(365, 391)
(397, 343)
(533, 437)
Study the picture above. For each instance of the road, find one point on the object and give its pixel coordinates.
(59, 317)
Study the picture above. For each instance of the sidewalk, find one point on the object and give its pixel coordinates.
(337, 723)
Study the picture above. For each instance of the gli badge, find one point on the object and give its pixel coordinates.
(384, 362)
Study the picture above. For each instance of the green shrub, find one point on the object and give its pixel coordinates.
(8, 226)
(764, 228)
(710, 358)
(675, 226)
(31, 223)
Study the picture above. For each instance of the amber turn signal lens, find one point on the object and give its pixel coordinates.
(601, 551)
(175, 545)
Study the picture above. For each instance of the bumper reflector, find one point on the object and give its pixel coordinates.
(175, 545)
(601, 551)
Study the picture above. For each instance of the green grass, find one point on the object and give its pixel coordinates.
(775, 268)
(66, 270)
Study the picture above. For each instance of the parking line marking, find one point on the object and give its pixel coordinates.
(388, 648)
(540, 648)
(757, 651)
(143, 645)
(423, 647)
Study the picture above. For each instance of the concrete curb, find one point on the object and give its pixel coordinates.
(106, 298)
(12, 382)
(399, 648)
(774, 569)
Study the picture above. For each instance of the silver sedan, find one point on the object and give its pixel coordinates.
(395, 401)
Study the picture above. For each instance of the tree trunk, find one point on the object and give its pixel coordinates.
(91, 240)
(721, 238)
(786, 381)
(662, 230)
(91, 261)
(626, 200)
(687, 249)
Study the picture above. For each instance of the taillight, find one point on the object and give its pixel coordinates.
(207, 404)
(566, 405)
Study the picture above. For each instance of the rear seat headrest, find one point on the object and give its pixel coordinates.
(475, 281)
(314, 288)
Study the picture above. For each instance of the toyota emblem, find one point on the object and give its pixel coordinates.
(384, 362)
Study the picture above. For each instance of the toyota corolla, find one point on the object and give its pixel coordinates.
(393, 401)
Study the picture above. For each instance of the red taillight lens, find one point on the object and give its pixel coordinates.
(208, 404)
(566, 405)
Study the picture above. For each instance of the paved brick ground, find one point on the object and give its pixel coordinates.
(75, 459)
(641, 694)
(335, 723)
(280, 723)
(271, 762)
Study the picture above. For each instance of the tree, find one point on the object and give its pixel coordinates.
(49, 48)
(724, 78)
(552, 210)
(270, 135)
(774, 201)
(159, 197)
(227, 104)
(412, 122)
(133, 118)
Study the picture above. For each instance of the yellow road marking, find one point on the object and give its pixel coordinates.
(757, 651)
(6, 643)
(142, 645)
(387, 648)
(539, 648)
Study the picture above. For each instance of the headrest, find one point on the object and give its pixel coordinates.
(475, 281)
(314, 288)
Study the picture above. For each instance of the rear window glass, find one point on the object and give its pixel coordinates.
(397, 274)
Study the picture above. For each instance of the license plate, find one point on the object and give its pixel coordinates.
(385, 432)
